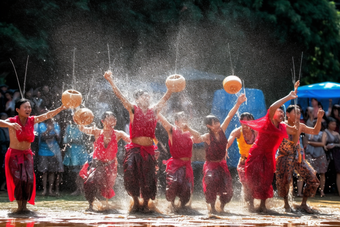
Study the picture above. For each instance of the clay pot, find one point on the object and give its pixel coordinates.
(71, 98)
(83, 116)
(175, 83)
(232, 84)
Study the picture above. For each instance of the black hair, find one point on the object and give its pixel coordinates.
(179, 115)
(104, 116)
(292, 107)
(330, 119)
(335, 107)
(19, 102)
(208, 120)
(319, 104)
(138, 93)
(247, 115)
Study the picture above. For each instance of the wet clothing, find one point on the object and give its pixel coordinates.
(140, 162)
(143, 124)
(101, 175)
(244, 148)
(179, 173)
(140, 172)
(335, 151)
(75, 153)
(260, 164)
(26, 132)
(19, 168)
(20, 177)
(216, 150)
(216, 176)
(217, 181)
(287, 162)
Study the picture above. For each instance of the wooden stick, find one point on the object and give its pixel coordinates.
(17, 78)
(25, 75)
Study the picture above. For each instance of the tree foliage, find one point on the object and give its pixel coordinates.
(313, 25)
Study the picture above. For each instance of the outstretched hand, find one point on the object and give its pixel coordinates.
(108, 75)
(321, 112)
(241, 99)
(16, 126)
(185, 127)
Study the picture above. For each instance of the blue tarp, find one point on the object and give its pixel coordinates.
(222, 104)
(321, 91)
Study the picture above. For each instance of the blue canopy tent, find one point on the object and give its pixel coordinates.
(321, 91)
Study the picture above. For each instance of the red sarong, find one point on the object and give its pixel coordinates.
(20, 157)
(144, 150)
(217, 181)
(172, 165)
(260, 164)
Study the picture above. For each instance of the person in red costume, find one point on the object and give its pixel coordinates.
(179, 173)
(217, 179)
(102, 173)
(19, 170)
(140, 163)
(260, 164)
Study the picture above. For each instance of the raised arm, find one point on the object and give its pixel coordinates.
(118, 93)
(196, 136)
(280, 102)
(122, 135)
(48, 115)
(236, 133)
(317, 127)
(167, 126)
(241, 99)
(89, 130)
(161, 103)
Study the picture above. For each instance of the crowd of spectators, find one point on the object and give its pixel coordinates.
(323, 150)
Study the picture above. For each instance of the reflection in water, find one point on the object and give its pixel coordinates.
(70, 211)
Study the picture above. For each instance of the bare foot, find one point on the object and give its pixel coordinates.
(262, 209)
(90, 208)
(322, 194)
(307, 209)
(251, 208)
(146, 210)
(135, 208)
(288, 208)
(213, 210)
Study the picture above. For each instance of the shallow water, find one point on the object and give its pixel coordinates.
(70, 211)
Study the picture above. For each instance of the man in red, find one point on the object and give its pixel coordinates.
(217, 179)
(139, 163)
(179, 173)
(103, 171)
(260, 164)
(19, 170)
